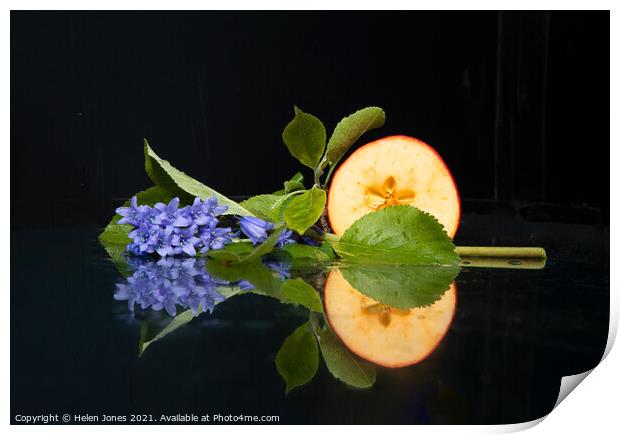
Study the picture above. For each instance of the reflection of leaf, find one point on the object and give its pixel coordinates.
(264, 281)
(117, 256)
(163, 174)
(298, 359)
(400, 234)
(176, 322)
(182, 319)
(340, 362)
(298, 291)
(400, 286)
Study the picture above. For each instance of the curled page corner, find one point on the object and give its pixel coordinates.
(569, 383)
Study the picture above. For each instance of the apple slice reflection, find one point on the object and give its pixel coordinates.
(387, 336)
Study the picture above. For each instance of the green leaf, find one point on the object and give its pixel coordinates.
(341, 363)
(298, 291)
(328, 249)
(232, 252)
(399, 234)
(266, 247)
(243, 252)
(294, 184)
(400, 286)
(305, 209)
(115, 234)
(315, 253)
(267, 207)
(305, 138)
(349, 130)
(164, 175)
(298, 359)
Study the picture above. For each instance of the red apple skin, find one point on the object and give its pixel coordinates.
(381, 363)
(420, 142)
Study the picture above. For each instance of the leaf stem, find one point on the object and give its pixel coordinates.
(500, 251)
(281, 200)
(331, 237)
(329, 175)
(318, 171)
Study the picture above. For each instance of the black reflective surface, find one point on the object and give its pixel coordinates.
(74, 348)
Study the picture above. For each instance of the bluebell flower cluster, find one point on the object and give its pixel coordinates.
(166, 229)
(168, 284)
(257, 231)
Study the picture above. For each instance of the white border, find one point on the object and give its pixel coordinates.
(593, 408)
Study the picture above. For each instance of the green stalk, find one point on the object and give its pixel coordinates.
(280, 201)
(330, 237)
(318, 171)
(329, 175)
(500, 252)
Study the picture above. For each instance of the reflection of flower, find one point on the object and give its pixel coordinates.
(170, 283)
(167, 230)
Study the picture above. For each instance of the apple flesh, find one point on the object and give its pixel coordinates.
(394, 170)
(384, 335)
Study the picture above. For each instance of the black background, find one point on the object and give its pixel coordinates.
(517, 103)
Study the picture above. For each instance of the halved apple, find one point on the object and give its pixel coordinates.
(392, 171)
(385, 335)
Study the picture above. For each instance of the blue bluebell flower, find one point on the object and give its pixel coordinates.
(184, 240)
(134, 214)
(213, 208)
(166, 214)
(134, 248)
(162, 241)
(167, 230)
(213, 237)
(257, 231)
(255, 228)
(285, 238)
(199, 213)
(309, 240)
(142, 237)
